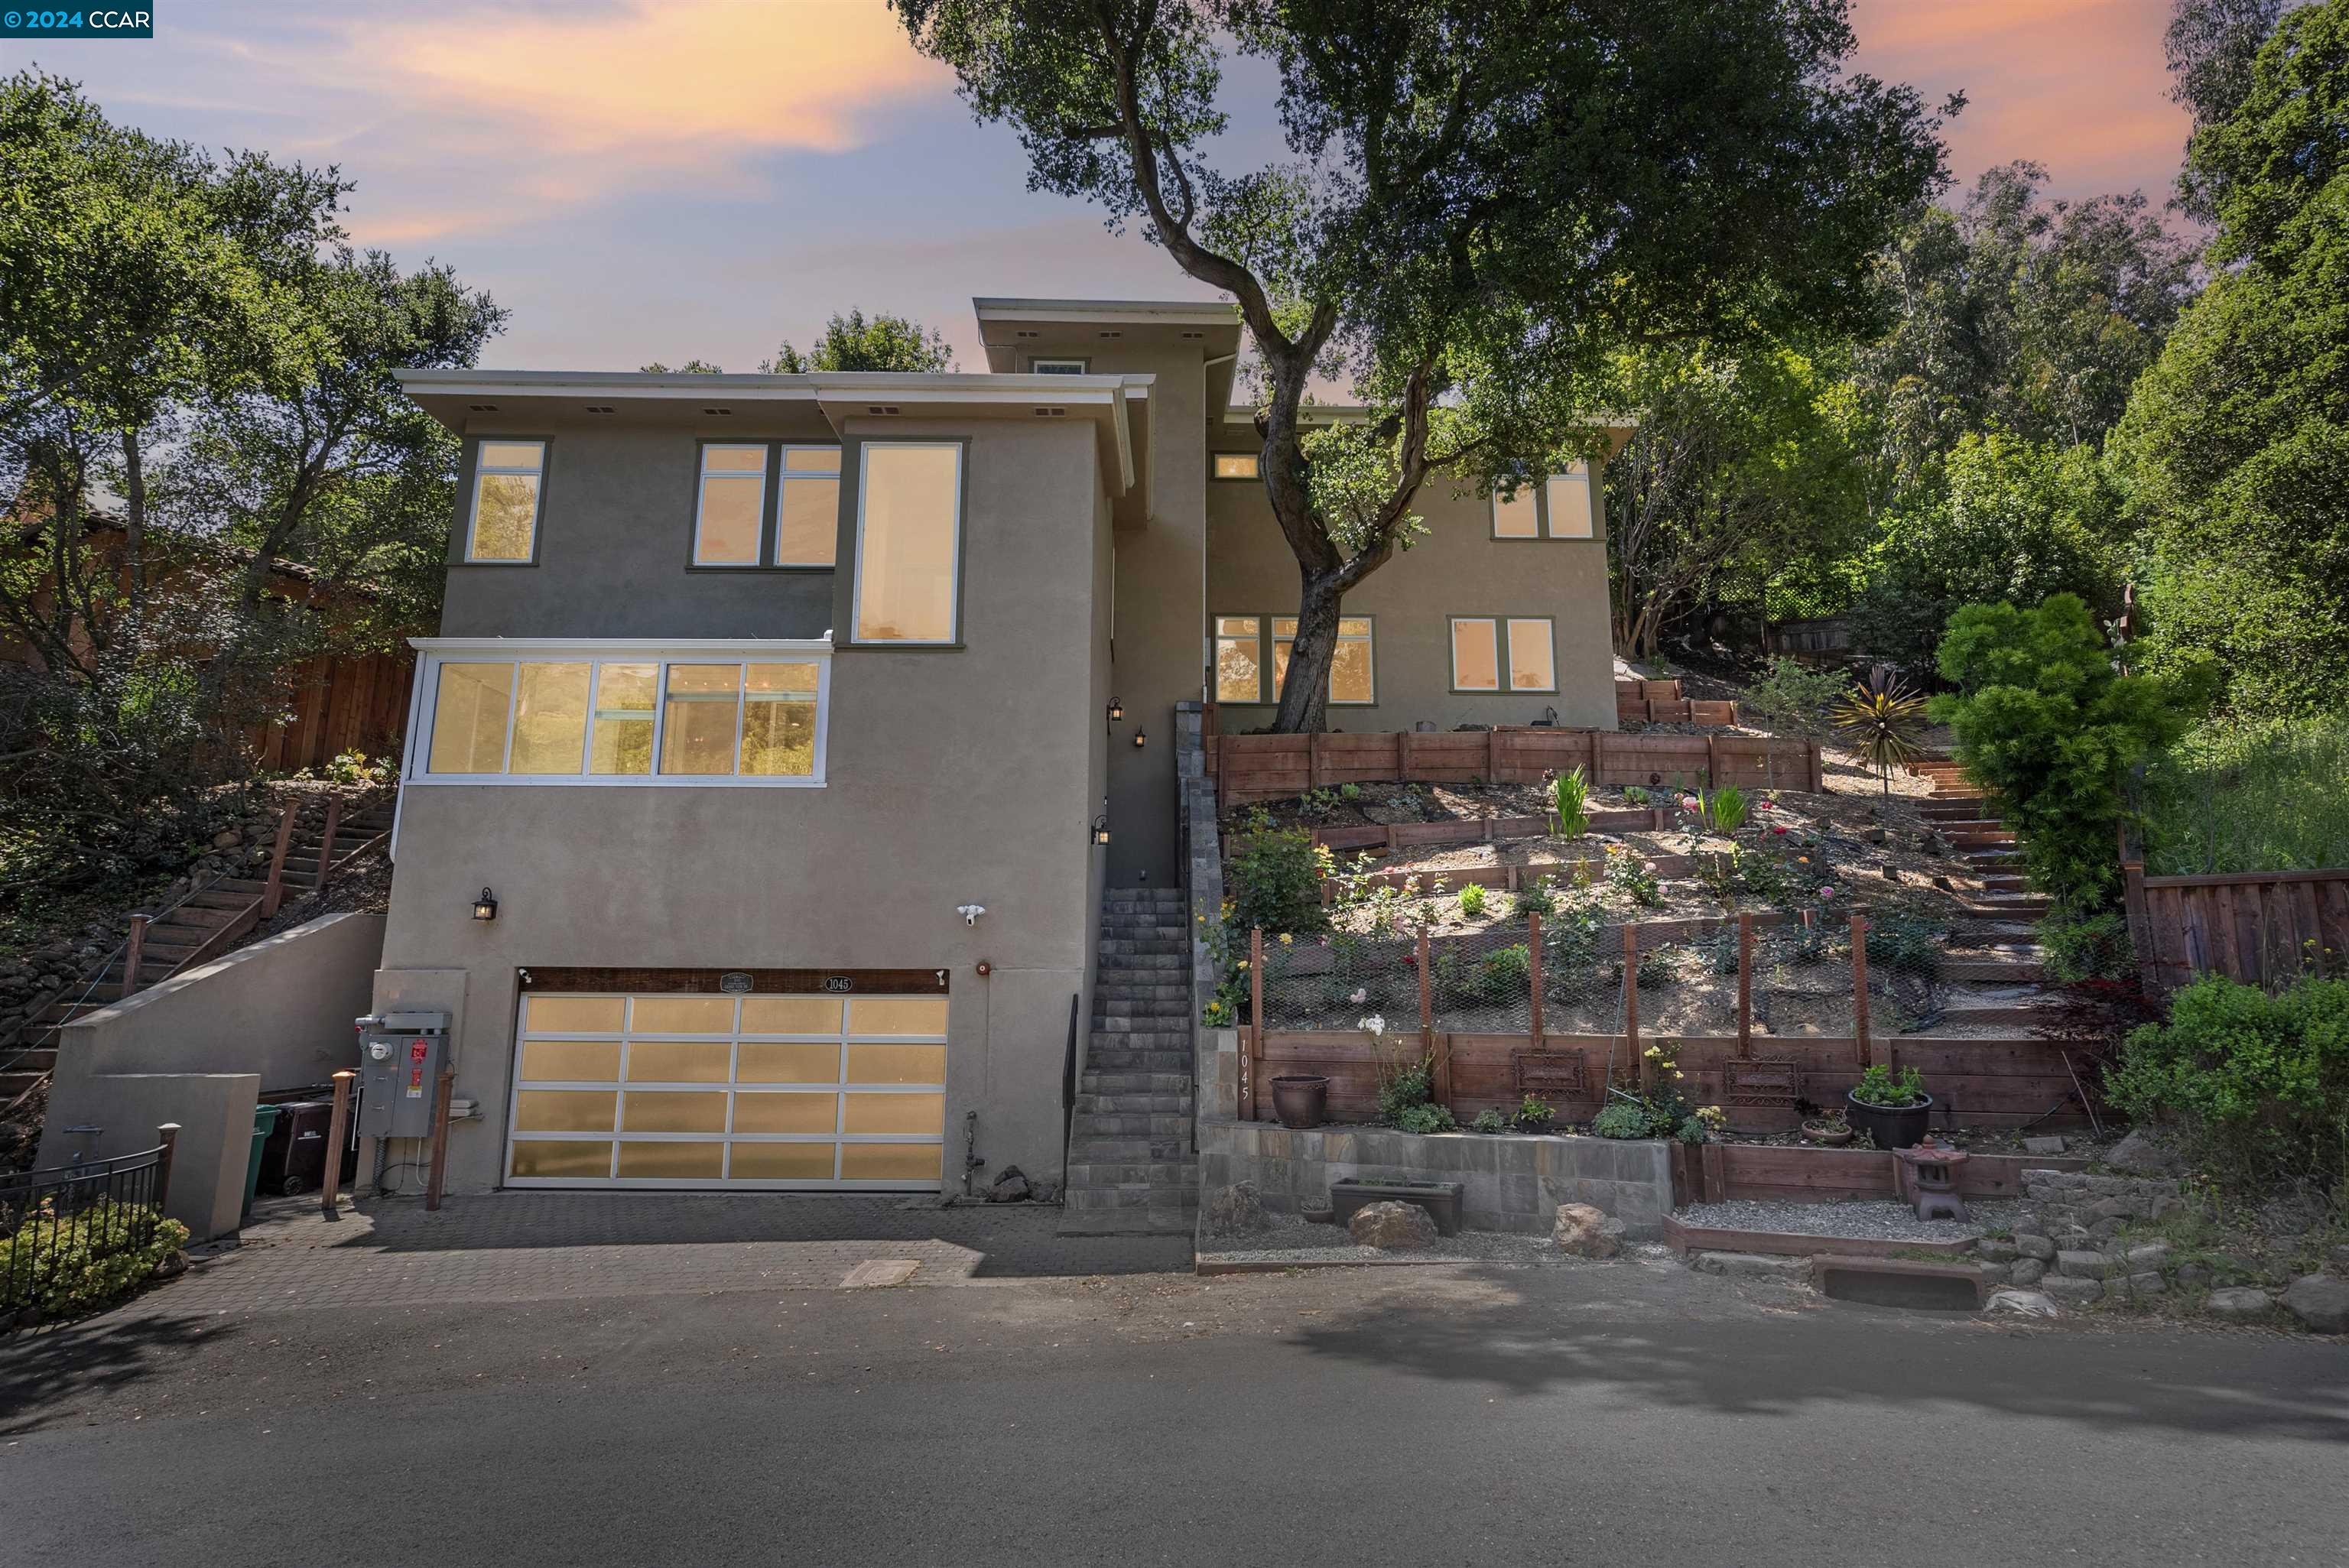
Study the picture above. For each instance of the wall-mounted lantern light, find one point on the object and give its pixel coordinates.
(486, 906)
(1101, 830)
(1141, 738)
(1116, 710)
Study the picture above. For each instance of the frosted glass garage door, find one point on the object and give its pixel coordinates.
(779, 1092)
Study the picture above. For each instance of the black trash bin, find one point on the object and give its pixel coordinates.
(295, 1157)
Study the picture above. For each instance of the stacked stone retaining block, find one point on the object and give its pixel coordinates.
(2073, 1242)
(1508, 1181)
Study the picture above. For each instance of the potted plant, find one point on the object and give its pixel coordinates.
(1890, 1107)
(1300, 1101)
(1831, 1131)
(1535, 1115)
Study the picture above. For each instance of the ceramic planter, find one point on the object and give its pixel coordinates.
(1301, 1101)
(1903, 1128)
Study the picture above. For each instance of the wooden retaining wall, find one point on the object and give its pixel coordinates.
(2259, 927)
(2001, 1083)
(1716, 1172)
(1269, 766)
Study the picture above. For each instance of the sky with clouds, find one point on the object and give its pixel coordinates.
(644, 179)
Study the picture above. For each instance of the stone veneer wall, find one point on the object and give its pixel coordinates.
(2071, 1244)
(1508, 1181)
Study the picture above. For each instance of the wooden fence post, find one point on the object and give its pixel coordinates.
(133, 952)
(1860, 990)
(1493, 755)
(1712, 756)
(1631, 1003)
(1744, 986)
(2140, 928)
(337, 1128)
(168, 1135)
(440, 1094)
(1533, 971)
(1256, 1022)
(1426, 1001)
(326, 840)
(1815, 765)
(277, 888)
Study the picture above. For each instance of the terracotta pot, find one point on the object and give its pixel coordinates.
(1901, 1127)
(1828, 1136)
(1301, 1101)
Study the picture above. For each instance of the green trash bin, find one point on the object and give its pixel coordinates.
(265, 1122)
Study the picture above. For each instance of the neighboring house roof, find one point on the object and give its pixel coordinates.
(1014, 329)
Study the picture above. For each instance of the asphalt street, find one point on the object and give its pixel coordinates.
(1629, 1413)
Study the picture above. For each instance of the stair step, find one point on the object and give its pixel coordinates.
(1177, 1027)
(1111, 1125)
(13, 1084)
(1115, 1083)
(1178, 1062)
(1131, 1197)
(1173, 1010)
(253, 886)
(206, 915)
(1140, 968)
(1129, 1150)
(32, 1059)
(1144, 1171)
(1090, 1102)
(1128, 1222)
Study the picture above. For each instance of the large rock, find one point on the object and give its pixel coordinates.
(1585, 1231)
(1393, 1227)
(1010, 1187)
(2320, 1302)
(2071, 1291)
(1237, 1210)
(2081, 1263)
(2026, 1271)
(2143, 1154)
(2041, 1247)
(2239, 1303)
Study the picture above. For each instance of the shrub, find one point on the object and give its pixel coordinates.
(1276, 875)
(2258, 1085)
(1404, 1085)
(1472, 900)
(1569, 815)
(2249, 798)
(1880, 1087)
(1538, 896)
(2041, 720)
(1506, 973)
(1535, 1114)
(1622, 1120)
(1634, 878)
(90, 1258)
(1728, 808)
(1490, 1120)
(2095, 947)
(1424, 1119)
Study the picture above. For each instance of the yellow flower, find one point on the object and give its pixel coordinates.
(1286, 939)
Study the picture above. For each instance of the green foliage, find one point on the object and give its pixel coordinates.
(1538, 896)
(1490, 1120)
(1637, 795)
(1506, 973)
(1882, 722)
(1458, 228)
(1404, 1086)
(89, 1258)
(1880, 1087)
(1727, 808)
(1472, 900)
(2041, 720)
(1276, 875)
(2090, 947)
(2235, 441)
(1569, 815)
(1621, 1119)
(1658, 969)
(852, 343)
(2257, 1085)
(1425, 1118)
(1535, 1114)
(2250, 797)
(1794, 699)
(1633, 876)
(1908, 938)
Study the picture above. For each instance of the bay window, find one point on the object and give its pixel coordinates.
(499, 712)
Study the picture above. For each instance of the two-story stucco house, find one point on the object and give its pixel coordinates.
(752, 692)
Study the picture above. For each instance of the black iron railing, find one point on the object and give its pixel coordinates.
(103, 1206)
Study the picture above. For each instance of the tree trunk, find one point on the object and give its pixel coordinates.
(134, 525)
(1305, 691)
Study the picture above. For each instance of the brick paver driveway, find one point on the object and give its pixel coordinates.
(537, 1246)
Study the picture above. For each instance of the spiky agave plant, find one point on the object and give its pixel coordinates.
(1881, 721)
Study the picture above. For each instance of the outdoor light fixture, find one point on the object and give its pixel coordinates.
(1101, 830)
(1141, 738)
(486, 906)
(1116, 710)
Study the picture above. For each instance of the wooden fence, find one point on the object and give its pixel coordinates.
(1393, 836)
(2260, 927)
(338, 704)
(1269, 766)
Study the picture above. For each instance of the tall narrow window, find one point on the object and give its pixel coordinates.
(468, 718)
(779, 721)
(1350, 671)
(1532, 666)
(807, 513)
(1239, 658)
(908, 541)
(550, 725)
(624, 718)
(697, 719)
(732, 509)
(506, 479)
(1515, 516)
(1476, 660)
(1570, 499)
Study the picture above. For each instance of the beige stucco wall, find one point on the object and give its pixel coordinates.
(200, 1048)
(964, 774)
(1457, 568)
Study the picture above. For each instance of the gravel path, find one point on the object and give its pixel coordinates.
(1886, 1222)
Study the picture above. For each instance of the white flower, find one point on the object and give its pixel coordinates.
(1361, 994)
(1374, 1025)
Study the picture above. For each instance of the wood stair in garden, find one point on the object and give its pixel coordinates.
(1131, 1170)
(209, 921)
(2000, 903)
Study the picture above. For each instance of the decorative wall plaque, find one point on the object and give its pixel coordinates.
(1762, 1081)
(1550, 1074)
(734, 982)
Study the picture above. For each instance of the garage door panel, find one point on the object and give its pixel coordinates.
(703, 1091)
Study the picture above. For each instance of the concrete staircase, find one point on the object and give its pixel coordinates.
(1131, 1166)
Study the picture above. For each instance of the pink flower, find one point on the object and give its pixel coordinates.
(1777, 826)
(1767, 805)
(1827, 892)
(1687, 802)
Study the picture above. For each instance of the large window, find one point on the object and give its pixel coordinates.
(1478, 643)
(1517, 516)
(507, 477)
(736, 521)
(909, 542)
(622, 713)
(1561, 507)
(1352, 681)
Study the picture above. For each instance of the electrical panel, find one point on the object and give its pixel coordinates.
(401, 1056)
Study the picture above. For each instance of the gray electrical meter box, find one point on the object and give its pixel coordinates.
(399, 1065)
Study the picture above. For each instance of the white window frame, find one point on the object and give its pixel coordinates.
(537, 497)
(766, 451)
(432, 653)
(784, 476)
(856, 589)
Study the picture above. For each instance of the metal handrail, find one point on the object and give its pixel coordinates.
(1068, 1090)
